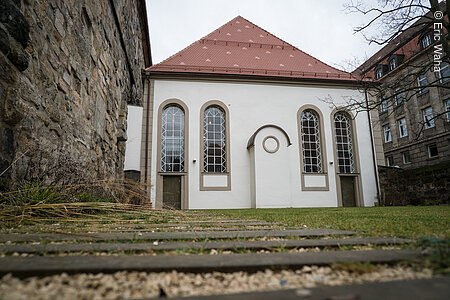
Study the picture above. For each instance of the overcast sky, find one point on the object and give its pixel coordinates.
(319, 27)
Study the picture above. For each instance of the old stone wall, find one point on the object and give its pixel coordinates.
(67, 71)
(428, 185)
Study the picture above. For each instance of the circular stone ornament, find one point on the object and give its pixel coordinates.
(271, 144)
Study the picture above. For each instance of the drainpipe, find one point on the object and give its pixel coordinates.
(375, 169)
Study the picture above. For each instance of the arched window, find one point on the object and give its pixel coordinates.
(310, 132)
(214, 141)
(172, 139)
(344, 143)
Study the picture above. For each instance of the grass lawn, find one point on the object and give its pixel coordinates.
(405, 221)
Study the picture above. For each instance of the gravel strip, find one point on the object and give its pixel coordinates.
(135, 285)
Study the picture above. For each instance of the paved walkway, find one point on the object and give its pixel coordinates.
(420, 289)
(269, 232)
(223, 245)
(199, 235)
(42, 265)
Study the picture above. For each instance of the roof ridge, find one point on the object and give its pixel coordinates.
(249, 43)
(293, 46)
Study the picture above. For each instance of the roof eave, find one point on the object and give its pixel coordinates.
(203, 75)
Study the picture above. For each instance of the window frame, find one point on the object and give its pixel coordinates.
(441, 77)
(390, 160)
(316, 144)
(323, 151)
(423, 88)
(160, 175)
(387, 129)
(351, 141)
(430, 121)
(429, 150)
(206, 149)
(164, 139)
(426, 37)
(393, 61)
(202, 174)
(398, 95)
(447, 109)
(402, 124)
(384, 104)
(404, 155)
(379, 72)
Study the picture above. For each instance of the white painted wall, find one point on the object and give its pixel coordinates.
(252, 105)
(134, 129)
(215, 180)
(272, 171)
(315, 180)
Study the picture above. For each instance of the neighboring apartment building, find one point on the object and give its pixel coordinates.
(413, 99)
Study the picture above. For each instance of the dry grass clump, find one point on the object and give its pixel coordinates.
(101, 200)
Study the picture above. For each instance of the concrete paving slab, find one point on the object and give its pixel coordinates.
(178, 229)
(46, 265)
(15, 237)
(193, 224)
(419, 289)
(170, 246)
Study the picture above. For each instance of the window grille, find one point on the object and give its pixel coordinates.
(172, 139)
(214, 141)
(344, 143)
(312, 153)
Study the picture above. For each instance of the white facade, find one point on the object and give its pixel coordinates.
(259, 178)
(134, 129)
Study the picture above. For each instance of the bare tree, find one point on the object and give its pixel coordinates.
(395, 23)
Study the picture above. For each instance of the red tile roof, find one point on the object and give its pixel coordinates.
(241, 48)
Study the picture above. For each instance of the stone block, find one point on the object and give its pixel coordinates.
(11, 110)
(59, 23)
(15, 22)
(4, 41)
(7, 73)
(63, 86)
(18, 56)
(4, 164)
(8, 141)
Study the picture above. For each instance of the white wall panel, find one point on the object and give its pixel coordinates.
(252, 105)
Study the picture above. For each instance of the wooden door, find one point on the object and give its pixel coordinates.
(172, 192)
(348, 191)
